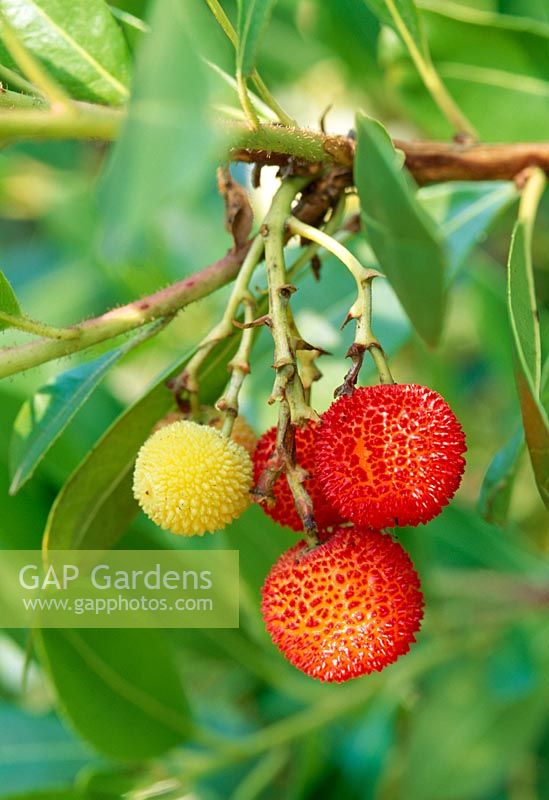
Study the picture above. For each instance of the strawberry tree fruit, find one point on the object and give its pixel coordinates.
(189, 479)
(389, 455)
(346, 608)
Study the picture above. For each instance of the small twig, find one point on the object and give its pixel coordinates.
(239, 367)
(229, 31)
(188, 380)
(125, 318)
(16, 81)
(427, 161)
(361, 310)
(430, 76)
(245, 102)
(287, 386)
(28, 325)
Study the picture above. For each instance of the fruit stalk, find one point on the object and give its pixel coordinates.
(361, 310)
(288, 389)
(188, 379)
(239, 367)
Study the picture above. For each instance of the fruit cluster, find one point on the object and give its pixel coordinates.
(380, 457)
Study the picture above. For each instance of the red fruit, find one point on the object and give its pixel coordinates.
(389, 455)
(346, 608)
(283, 510)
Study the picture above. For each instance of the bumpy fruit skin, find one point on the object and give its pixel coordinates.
(189, 479)
(283, 510)
(347, 608)
(389, 455)
(241, 433)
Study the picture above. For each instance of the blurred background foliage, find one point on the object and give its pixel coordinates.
(464, 716)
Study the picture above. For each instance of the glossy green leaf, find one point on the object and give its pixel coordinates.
(8, 300)
(495, 66)
(96, 504)
(464, 212)
(84, 50)
(119, 688)
(403, 236)
(497, 486)
(524, 319)
(43, 417)
(168, 147)
(253, 18)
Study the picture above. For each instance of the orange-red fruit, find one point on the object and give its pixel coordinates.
(283, 510)
(347, 608)
(389, 455)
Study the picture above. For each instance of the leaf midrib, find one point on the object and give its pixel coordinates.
(115, 83)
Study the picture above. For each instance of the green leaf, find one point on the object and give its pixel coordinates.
(479, 728)
(402, 12)
(522, 304)
(37, 751)
(168, 147)
(84, 50)
(8, 300)
(51, 794)
(119, 688)
(536, 430)
(43, 418)
(497, 486)
(253, 18)
(96, 504)
(532, 9)
(524, 319)
(464, 211)
(492, 65)
(403, 236)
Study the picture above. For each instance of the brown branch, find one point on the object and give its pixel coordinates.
(427, 161)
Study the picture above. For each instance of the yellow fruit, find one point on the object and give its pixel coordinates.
(190, 479)
(242, 433)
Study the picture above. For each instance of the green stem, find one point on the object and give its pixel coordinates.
(300, 143)
(323, 239)
(531, 196)
(38, 328)
(189, 379)
(10, 99)
(333, 224)
(239, 366)
(245, 102)
(123, 319)
(33, 69)
(287, 385)
(89, 122)
(341, 702)
(263, 91)
(15, 79)
(262, 775)
(430, 76)
(362, 308)
(294, 409)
